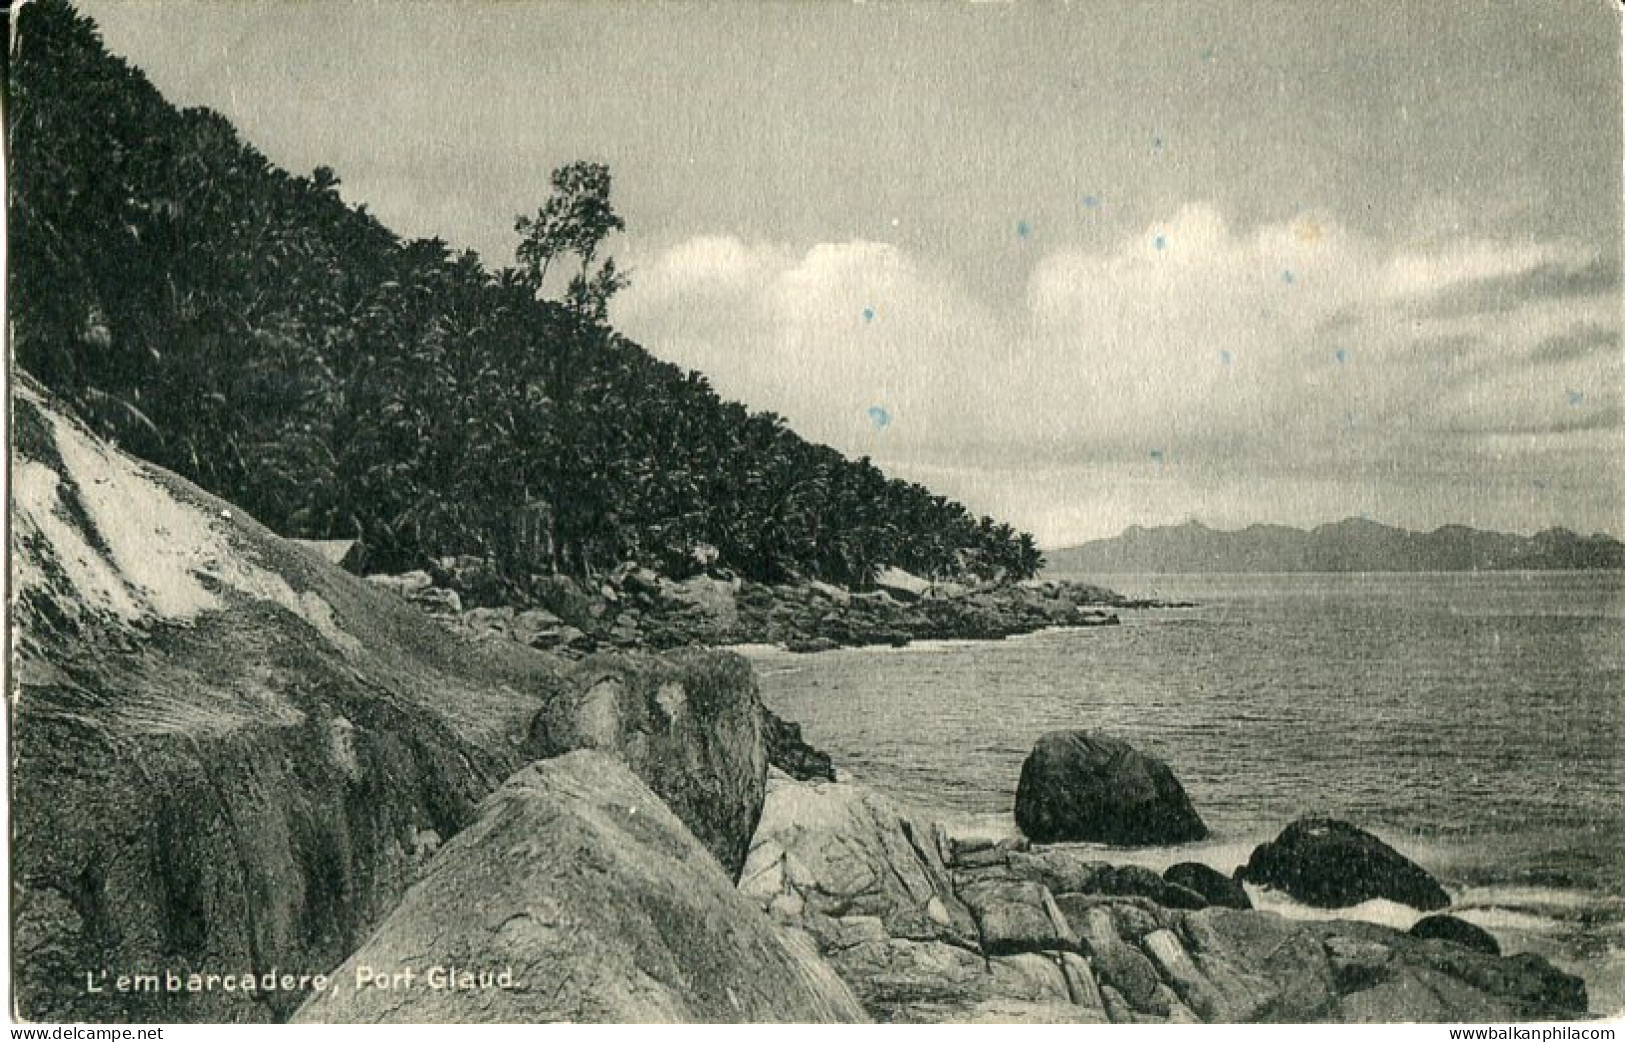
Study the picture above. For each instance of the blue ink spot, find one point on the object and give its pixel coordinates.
(1156, 456)
(1342, 356)
(868, 314)
(1160, 242)
(1577, 397)
(1288, 277)
(1156, 143)
(1023, 229)
(1539, 484)
(1092, 202)
(1225, 356)
(1207, 55)
(880, 417)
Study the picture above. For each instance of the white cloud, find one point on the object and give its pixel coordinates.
(1420, 274)
(1295, 348)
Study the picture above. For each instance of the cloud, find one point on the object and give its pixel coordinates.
(1297, 348)
(824, 337)
(1570, 274)
(1584, 341)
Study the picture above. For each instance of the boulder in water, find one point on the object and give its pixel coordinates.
(1077, 786)
(1332, 864)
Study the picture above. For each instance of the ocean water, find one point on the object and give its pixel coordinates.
(1474, 721)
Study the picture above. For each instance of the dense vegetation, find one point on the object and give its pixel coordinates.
(244, 326)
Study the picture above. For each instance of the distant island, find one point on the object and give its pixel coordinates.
(1354, 545)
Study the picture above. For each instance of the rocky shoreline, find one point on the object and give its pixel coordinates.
(234, 760)
(637, 608)
(928, 926)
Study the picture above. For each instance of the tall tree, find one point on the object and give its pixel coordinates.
(575, 221)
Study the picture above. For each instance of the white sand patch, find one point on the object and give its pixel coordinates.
(163, 560)
(38, 516)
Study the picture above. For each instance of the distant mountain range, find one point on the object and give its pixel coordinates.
(1346, 546)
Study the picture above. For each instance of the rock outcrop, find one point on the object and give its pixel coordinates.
(1058, 936)
(689, 724)
(229, 755)
(1214, 886)
(1332, 864)
(1080, 786)
(832, 851)
(1456, 931)
(791, 753)
(578, 896)
(870, 885)
(634, 607)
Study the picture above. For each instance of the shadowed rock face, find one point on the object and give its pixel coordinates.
(1456, 931)
(1332, 864)
(1215, 887)
(229, 755)
(789, 752)
(690, 725)
(602, 907)
(1076, 786)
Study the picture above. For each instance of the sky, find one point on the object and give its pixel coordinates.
(1080, 265)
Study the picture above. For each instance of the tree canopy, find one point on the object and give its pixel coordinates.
(247, 328)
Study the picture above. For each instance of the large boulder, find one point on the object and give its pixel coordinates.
(689, 724)
(1080, 786)
(830, 850)
(715, 600)
(578, 896)
(568, 600)
(1332, 864)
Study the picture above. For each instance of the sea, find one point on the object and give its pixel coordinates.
(1475, 721)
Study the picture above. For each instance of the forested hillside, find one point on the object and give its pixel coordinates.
(244, 326)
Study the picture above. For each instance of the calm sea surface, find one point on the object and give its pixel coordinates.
(1476, 721)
